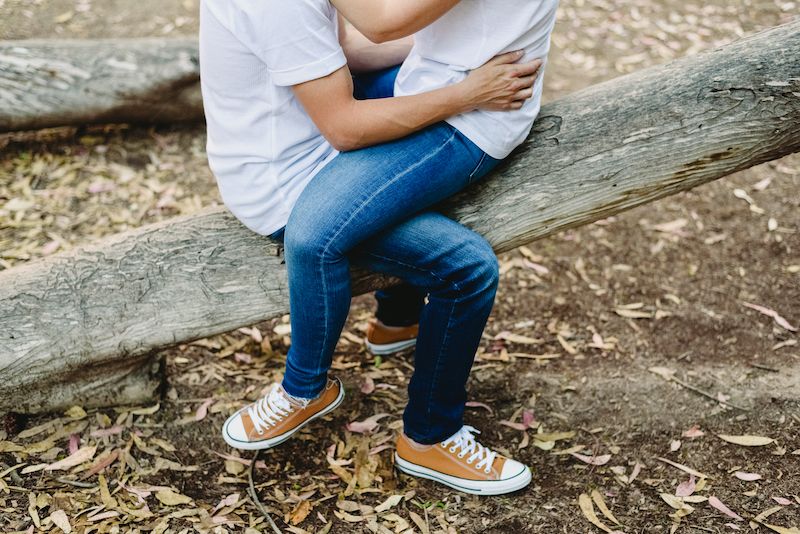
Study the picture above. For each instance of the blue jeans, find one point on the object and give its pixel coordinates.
(372, 207)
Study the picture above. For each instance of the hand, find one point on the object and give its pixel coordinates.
(502, 84)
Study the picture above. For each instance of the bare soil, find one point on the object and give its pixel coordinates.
(687, 267)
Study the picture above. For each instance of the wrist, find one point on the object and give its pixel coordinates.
(463, 97)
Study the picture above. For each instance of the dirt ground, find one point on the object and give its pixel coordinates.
(616, 356)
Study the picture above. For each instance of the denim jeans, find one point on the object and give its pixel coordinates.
(374, 208)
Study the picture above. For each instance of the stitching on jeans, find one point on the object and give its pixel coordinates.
(398, 262)
(477, 168)
(352, 215)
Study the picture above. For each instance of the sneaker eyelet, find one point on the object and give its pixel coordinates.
(487, 471)
(461, 455)
(469, 460)
(444, 444)
(452, 449)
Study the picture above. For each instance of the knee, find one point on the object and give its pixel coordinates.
(301, 240)
(484, 270)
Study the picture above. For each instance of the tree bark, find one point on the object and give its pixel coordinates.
(592, 154)
(72, 82)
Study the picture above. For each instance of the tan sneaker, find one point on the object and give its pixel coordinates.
(383, 339)
(462, 463)
(275, 417)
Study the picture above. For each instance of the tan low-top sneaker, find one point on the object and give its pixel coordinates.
(276, 416)
(383, 339)
(462, 463)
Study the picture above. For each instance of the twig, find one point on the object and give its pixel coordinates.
(707, 394)
(76, 483)
(765, 367)
(251, 490)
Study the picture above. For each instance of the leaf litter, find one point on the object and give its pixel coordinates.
(117, 178)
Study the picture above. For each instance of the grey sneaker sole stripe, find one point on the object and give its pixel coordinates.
(390, 348)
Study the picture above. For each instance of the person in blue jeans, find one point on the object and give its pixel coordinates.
(370, 203)
(371, 227)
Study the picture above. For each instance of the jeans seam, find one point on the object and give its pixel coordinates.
(350, 218)
(435, 380)
(414, 267)
(477, 167)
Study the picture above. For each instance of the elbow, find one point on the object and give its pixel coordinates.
(342, 140)
(380, 35)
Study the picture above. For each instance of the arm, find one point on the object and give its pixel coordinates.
(349, 124)
(365, 56)
(386, 20)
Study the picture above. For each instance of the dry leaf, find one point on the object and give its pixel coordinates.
(601, 504)
(202, 410)
(366, 426)
(592, 460)
(694, 432)
(746, 441)
(685, 489)
(60, 519)
(585, 503)
(474, 404)
(716, 503)
(747, 477)
(76, 412)
(299, 513)
(782, 530)
(170, 498)
(684, 468)
(516, 338)
(368, 386)
(771, 313)
(391, 502)
(84, 454)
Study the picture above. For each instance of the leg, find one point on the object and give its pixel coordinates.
(400, 305)
(460, 270)
(354, 197)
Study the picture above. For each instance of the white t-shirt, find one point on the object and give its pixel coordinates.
(465, 38)
(263, 147)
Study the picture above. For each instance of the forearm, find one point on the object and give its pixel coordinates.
(370, 122)
(385, 20)
(366, 56)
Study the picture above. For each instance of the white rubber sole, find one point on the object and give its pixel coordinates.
(390, 348)
(277, 440)
(474, 487)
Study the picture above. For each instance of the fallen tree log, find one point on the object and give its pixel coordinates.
(68, 322)
(75, 82)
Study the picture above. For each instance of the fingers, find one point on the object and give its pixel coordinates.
(528, 81)
(530, 68)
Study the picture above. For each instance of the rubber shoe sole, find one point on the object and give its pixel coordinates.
(277, 440)
(474, 487)
(390, 348)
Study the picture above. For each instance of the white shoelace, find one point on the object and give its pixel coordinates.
(271, 409)
(464, 440)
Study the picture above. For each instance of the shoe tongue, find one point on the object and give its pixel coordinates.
(291, 400)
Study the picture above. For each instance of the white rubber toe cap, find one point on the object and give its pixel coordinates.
(234, 428)
(511, 469)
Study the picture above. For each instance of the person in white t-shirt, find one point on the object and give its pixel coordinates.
(299, 158)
